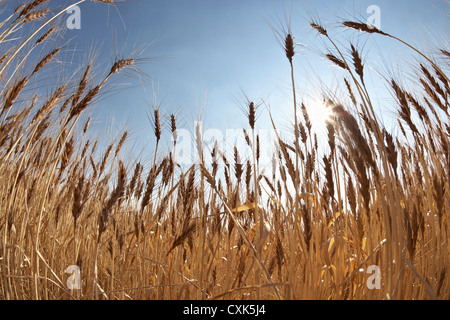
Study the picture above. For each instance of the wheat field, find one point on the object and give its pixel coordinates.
(317, 228)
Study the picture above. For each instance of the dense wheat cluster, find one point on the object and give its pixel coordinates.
(221, 230)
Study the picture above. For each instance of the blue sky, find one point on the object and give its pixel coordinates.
(205, 52)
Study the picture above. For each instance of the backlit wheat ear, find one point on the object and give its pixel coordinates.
(357, 61)
(237, 165)
(18, 8)
(331, 136)
(46, 35)
(215, 158)
(84, 103)
(432, 93)
(372, 29)
(13, 93)
(49, 104)
(81, 85)
(362, 27)
(307, 118)
(306, 218)
(445, 53)
(121, 143)
(35, 15)
(336, 61)
(105, 159)
(183, 236)
(120, 64)
(30, 6)
(78, 199)
(86, 125)
(289, 47)
(173, 127)
(157, 124)
(252, 115)
(437, 88)
(248, 176)
(199, 140)
(419, 108)
(4, 56)
(258, 149)
(246, 137)
(319, 29)
(405, 112)
(45, 60)
(134, 180)
(391, 151)
(350, 91)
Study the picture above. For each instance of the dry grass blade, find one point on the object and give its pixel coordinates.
(430, 291)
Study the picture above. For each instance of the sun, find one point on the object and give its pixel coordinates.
(319, 113)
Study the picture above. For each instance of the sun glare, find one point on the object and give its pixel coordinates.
(319, 113)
